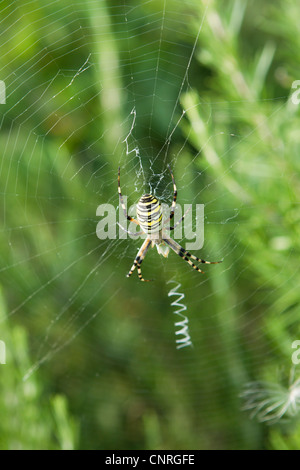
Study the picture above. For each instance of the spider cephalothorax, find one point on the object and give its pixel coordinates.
(150, 219)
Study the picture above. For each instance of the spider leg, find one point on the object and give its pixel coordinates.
(181, 252)
(122, 201)
(133, 234)
(174, 204)
(184, 254)
(202, 260)
(174, 195)
(180, 220)
(139, 259)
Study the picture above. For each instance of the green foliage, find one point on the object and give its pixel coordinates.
(29, 418)
(80, 336)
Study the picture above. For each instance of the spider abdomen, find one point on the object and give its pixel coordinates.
(149, 214)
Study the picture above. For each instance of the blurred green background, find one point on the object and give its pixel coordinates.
(91, 358)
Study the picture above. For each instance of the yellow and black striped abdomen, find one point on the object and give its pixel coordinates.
(149, 214)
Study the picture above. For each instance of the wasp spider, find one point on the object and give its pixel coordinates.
(149, 218)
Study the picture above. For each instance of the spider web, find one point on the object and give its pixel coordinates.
(102, 85)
